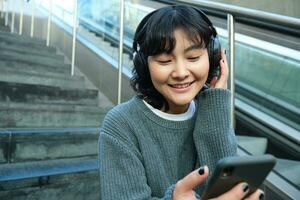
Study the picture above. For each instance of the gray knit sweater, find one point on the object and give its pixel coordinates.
(142, 155)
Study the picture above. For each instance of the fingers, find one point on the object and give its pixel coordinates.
(258, 194)
(224, 72)
(213, 82)
(192, 180)
(236, 193)
(224, 64)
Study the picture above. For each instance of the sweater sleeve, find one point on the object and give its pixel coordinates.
(213, 134)
(122, 175)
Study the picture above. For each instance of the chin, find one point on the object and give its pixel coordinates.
(182, 102)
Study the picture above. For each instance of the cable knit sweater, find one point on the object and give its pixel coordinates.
(142, 156)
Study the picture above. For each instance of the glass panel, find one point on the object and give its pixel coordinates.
(287, 7)
(267, 78)
(62, 9)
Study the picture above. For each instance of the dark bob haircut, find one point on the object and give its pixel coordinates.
(155, 35)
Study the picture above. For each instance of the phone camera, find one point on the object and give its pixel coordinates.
(227, 171)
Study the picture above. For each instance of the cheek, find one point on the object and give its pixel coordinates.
(201, 70)
(158, 75)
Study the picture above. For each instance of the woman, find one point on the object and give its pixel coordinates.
(151, 147)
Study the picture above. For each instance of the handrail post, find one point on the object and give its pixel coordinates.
(2, 8)
(21, 18)
(6, 13)
(13, 20)
(74, 37)
(49, 24)
(121, 50)
(231, 41)
(33, 7)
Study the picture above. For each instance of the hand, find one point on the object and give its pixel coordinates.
(184, 188)
(221, 82)
(239, 191)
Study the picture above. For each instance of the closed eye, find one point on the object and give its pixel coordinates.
(163, 62)
(194, 59)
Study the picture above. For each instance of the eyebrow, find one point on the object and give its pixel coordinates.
(195, 46)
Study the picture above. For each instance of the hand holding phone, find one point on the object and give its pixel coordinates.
(231, 171)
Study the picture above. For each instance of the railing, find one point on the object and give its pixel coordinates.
(121, 44)
(277, 22)
(8, 3)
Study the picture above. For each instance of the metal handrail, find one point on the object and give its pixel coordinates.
(238, 11)
(32, 18)
(13, 21)
(2, 9)
(231, 41)
(49, 24)
(121, 43)
(75, 17)
(48, 130)
(6, 13)
(21, 18)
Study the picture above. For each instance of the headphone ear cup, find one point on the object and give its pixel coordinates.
(214, 54)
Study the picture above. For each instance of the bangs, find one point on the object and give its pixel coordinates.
(159, 36)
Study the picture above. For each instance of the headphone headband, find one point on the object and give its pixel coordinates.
(143, 24)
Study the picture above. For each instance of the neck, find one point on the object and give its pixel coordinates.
(175, 110)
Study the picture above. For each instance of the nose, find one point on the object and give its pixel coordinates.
(180, 71)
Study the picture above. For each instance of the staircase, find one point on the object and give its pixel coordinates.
(48, 118)
(49, 123)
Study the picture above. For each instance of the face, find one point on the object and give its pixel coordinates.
(180, 75)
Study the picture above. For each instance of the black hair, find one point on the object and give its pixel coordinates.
(155, 35)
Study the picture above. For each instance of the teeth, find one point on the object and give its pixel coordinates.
(181, 85)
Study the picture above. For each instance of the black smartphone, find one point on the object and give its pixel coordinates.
(233, 170)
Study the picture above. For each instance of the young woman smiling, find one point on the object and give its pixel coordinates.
(151, 146)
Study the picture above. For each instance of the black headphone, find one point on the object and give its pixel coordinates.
(214, 46)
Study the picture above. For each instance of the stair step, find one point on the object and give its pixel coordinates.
(4, 28)
(17, 171)
(25, 115)
(45, 79)
(28, 51)
(25, 43)
(74, 179)
(18, 37)
(289, 169)
(31, 59)
(10, 65)
(29, 93)
(48, 144)
(254, 145)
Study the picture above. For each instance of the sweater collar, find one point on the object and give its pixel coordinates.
(159, 120)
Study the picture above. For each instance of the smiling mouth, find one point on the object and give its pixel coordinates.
(185, 85)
